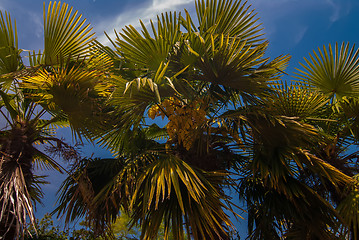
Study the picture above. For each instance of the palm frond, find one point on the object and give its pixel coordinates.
(230, 18)
(66, 35)
(98, 189)
(349, 210)
(274, 214)
(230, 63)
(43, 161)
(74, 92)
(171, 191)
(334, 73)
(146, 50)
(296, 101)
(10, 60)
(156, 133)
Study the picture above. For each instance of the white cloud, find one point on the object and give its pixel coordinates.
(2, 6)
(273, 13)
(336, 10)
(133, 15)
(300, 34)
(165, 4)
(38, 24)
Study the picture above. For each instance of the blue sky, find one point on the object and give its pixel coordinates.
(294, 27)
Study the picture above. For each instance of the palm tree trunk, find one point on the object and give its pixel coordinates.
(15, 178)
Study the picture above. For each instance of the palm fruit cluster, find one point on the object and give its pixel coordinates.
(184, 119)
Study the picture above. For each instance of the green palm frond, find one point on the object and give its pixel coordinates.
(100, 188)
(8, 102)
(230, 18)
(334, 73)
(146, 50)
(99, 47)
(229, 62)
(35, 59)
(349, 109)
(77, 193)
(281, 147)
(73, 91)
(149, 58)
(276, 214)
(326, 171)
(103, 58)
(131, 100)
(10, 60)
(158, 82)
(272, 130)
(53, 124)
(156, 133)
(43, 161)
(172, 192)
(66, 35)
(35, 190)
(296, 101)
(348, 209)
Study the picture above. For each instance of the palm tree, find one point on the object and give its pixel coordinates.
(224, 118)
(190, 78)
(334, 71)
(325, 102)
(280, 182)
(24, 128)
(32, 105)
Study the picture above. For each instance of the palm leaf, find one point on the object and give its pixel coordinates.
(230, 18)
(65, 33)
(227, 61)
(149, 51)
(73, 91)
(42, 161)
(296, 101)
(10, 60)
(334, 73)
(349, 209)
(171, 191)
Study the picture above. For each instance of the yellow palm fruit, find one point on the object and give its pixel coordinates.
(152, 112)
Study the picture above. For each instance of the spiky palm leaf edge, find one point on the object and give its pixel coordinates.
(334, 73)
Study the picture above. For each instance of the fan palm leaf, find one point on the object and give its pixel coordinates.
(146, 50)
(272, 215)
(230, 18)
(100, 188)
(9, 51)
(229, 62)
(173, 192)
(66, 35)
(10, 60)
(73, 91)
(348, 209)
(297, 101)
(334, 73)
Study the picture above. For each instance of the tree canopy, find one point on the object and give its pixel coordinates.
(191, 107)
